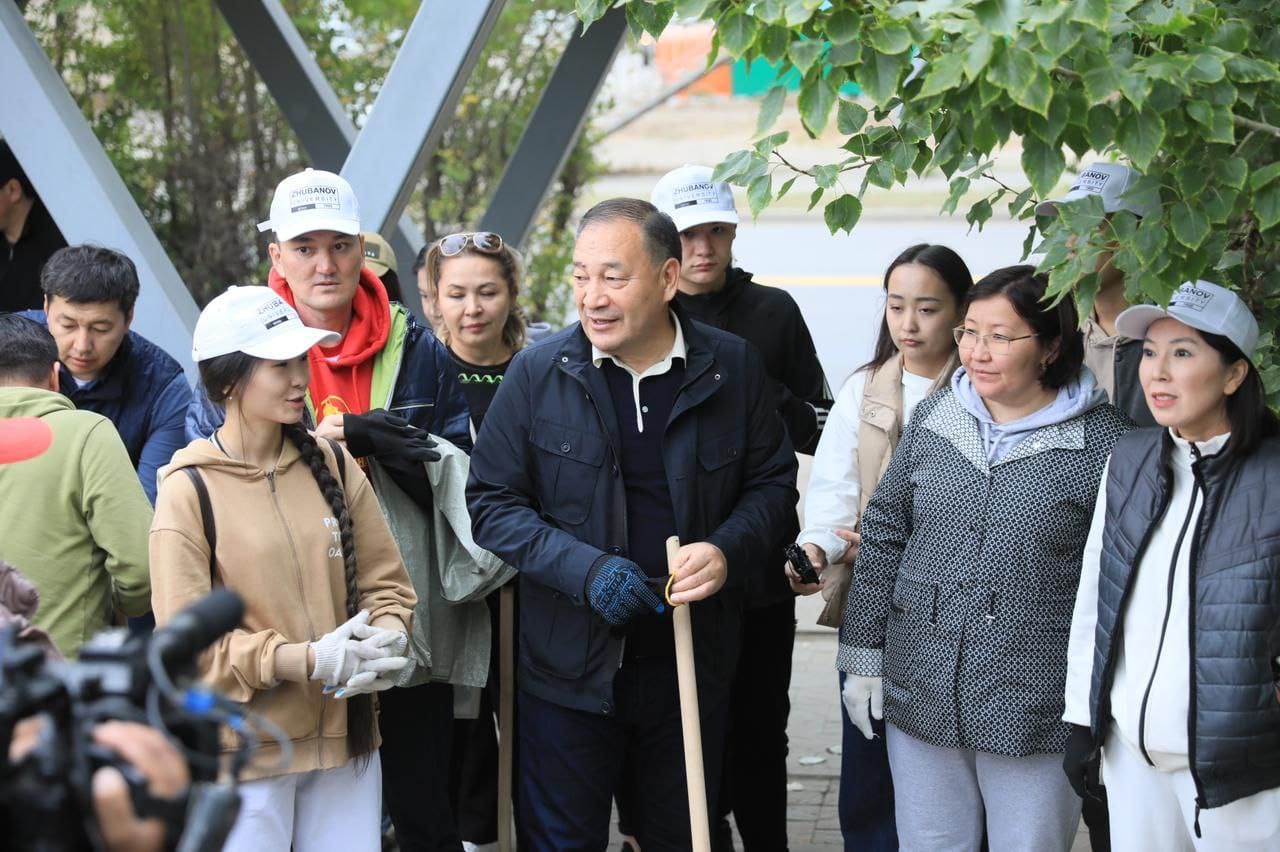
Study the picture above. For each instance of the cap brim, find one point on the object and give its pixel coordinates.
(292, 343)
(692, 218)
(23, 438)
(1134, 321)
(319, 223)
(376, 266)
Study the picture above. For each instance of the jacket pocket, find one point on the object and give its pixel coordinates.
(555, 636)
(720, 460)
(1034, 667)
(295, 707)
(568, 462)
(910, 616)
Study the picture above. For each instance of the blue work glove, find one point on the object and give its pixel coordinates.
(618, 590)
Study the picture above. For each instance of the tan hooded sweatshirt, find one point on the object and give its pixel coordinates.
(278, 545)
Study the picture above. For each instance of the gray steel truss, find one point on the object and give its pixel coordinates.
(553, 128)
(80, 187)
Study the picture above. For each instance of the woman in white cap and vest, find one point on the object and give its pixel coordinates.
(291, 524)
(1176, 628)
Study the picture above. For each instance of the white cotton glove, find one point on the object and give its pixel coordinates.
(339, 652)
(372, 675)
(861, 694)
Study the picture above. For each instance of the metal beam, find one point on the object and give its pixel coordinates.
(553, 128)
(312, 109)
(81, 188)
(416, 103)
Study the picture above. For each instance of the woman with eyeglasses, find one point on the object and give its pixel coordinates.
(474, 280)
(1172, 671)
(956, 626)
(915, 355)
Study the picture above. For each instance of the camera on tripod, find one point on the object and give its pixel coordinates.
(46, 795)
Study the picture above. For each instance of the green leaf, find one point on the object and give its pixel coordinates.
(959, 186)
(978, 55)
(1266, 206)
(825, 175)
(999, 17)
(815, 102)
(1043, 164)
(1232, 171)
(881, 174)
(842, 214)
(1215, 119)
(1189, 225)
(878, 77)
(850, 116)
(1232, 35)
(890, 38)
(765, 146)
(649, 17)
(843, 26)
(1058, 37)
(1093, 13)
(1206, 68)
(815, 197)
(737, 31)
(804, 52)
(1100, 81)
(770, 11)
(759, 194)
(785, 188)
(798, 12)
(1027, 83)
(1263, 176)
(1246, 69)
(590, 11)
(771, 108)
(773, 43)
(732, 166)
(693, 8)
(978, 214)
(1149, 240)
(942, 75)
(1101, 126)
(1140, 135)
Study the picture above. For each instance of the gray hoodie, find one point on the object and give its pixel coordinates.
(1073, 399)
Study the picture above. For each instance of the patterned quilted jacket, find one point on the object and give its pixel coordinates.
(966, 578)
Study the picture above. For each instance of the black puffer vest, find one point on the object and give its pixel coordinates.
(1233, 727)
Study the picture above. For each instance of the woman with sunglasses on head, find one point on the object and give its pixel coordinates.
(292, 524)
(956, 626)
(474, 280)
(1176, 632)
(914, 356)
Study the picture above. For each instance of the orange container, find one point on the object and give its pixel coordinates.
(683, 50)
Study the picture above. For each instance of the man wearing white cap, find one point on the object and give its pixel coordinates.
(1111, 356)
(714, 291)
(385, 379)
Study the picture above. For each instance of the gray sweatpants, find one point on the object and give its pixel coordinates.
(942, 796)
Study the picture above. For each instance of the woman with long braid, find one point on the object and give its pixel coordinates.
(294, 527)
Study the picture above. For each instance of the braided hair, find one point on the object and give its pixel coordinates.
(360, 723)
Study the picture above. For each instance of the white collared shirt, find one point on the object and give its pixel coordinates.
(678, 350)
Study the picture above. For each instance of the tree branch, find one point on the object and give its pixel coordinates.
(1269, 129)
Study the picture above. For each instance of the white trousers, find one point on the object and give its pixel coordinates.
(338, 809)
(1151, 809)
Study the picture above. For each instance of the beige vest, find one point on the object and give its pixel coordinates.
(879, 427)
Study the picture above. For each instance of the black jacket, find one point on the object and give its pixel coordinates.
(21, 262)
(1233, 729)
(769, 318)
(546, 495)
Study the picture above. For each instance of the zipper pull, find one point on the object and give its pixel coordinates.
(271, 480)
(1197, 822)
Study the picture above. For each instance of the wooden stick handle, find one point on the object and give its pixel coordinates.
(506, 710)
(690, 720)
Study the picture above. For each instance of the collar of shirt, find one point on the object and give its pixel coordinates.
(1095, 336)
(678, 350)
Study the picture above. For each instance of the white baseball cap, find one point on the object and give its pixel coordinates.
(690, 197)
(313, 200)
(1111, 181)
(257, 322)
(1203, 306)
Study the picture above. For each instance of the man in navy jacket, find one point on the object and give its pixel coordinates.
(89, 294)
(605, 439)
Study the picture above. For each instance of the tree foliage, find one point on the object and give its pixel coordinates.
(201, 143)
(1184, 90)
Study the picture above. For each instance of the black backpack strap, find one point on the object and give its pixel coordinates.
(206, 516)
(341, 458)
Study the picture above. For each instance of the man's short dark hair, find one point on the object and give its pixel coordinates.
(27, 351)
(10, 168)
(660, 235)
(86, 273)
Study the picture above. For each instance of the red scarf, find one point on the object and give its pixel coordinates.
(342, 375)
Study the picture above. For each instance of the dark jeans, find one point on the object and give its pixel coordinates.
(866, 789)
(754, 783)
(572, 763)
(417, 724)
(473, 767)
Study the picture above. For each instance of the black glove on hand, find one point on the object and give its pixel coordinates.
(1080, 761)
(617, 589)
(388, 438)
